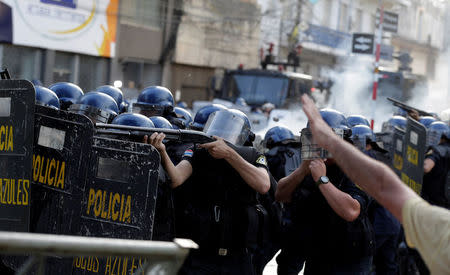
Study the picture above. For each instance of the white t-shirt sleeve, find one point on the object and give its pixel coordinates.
(427, 228)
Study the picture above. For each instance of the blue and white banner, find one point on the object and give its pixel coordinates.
(81, 26)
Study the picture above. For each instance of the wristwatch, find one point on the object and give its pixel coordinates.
(322, 180)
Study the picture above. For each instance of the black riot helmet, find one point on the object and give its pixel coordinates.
(183, 116)
(130, 119)
(99, 107)
(202, 115)
(154, 101)
(113, 92)
(354, 120)
(361, 136)
(46, 97)
(161, 122)
(436, 131)
(68, 93)
(278, 135)
(231, 125)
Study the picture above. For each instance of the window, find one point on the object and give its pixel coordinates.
(327, 13)
(357, 23)
(343, 17)
(21, 62)
(63, 68)
(420, 25)
(93, 72)
(145, 13)
(257, 90)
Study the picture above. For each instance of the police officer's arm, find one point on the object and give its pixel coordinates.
(287, 185)
(256, 177)
(342, 203)
(178, 174)
(373, 176)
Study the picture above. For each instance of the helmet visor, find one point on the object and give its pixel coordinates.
(228, 126)
(360, 142)
(310, 149)
(95, 114)
(433, 137)
(148, 110)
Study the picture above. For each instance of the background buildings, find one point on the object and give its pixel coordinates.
(182, 43)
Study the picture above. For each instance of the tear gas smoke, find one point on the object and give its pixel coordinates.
(352, 91)
(436, 99)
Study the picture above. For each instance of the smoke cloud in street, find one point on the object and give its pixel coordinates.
(351, 93)
(437, 98)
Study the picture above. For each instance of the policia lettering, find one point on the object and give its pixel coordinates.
(6, 138)
(113, 265)
(49, 171)
(109, 206)
(14, 192)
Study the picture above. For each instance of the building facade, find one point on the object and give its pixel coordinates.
(324, 29)
(175, 43)
(212, 35)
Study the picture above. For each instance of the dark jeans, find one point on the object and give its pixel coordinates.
(322, 265)
(202, 263)
(385, 258)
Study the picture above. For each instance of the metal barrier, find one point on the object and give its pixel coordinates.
(160, 257)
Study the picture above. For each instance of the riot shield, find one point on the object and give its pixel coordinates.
(61, 152)
(16, 149)
(413, 155)
(397, 151)
(118, 200)
(62, 143)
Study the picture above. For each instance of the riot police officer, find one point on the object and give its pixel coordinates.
(386, 227)
(437, 165)
(156, 101)
(68, 93)
(336, 234)
(46, 97)
(115, 93)
(283, 158)
(202, 115)
(99, 107)
(354, 120)
(426, 121)
(130, 119)
(183, 116)
(222, 213)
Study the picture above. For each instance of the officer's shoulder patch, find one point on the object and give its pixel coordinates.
(430, 152)
(188, 153)
(261, 160)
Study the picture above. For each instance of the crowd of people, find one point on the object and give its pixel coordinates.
(322, 199)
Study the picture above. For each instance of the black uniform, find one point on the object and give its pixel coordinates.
(165, 211)
(283, 159)
(221, 215)
(328, 242)
(434, 182)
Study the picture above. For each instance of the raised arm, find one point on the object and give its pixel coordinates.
(374, 177)
(287, 185)
(178, 174)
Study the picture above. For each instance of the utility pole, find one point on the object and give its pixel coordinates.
(378, 37)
